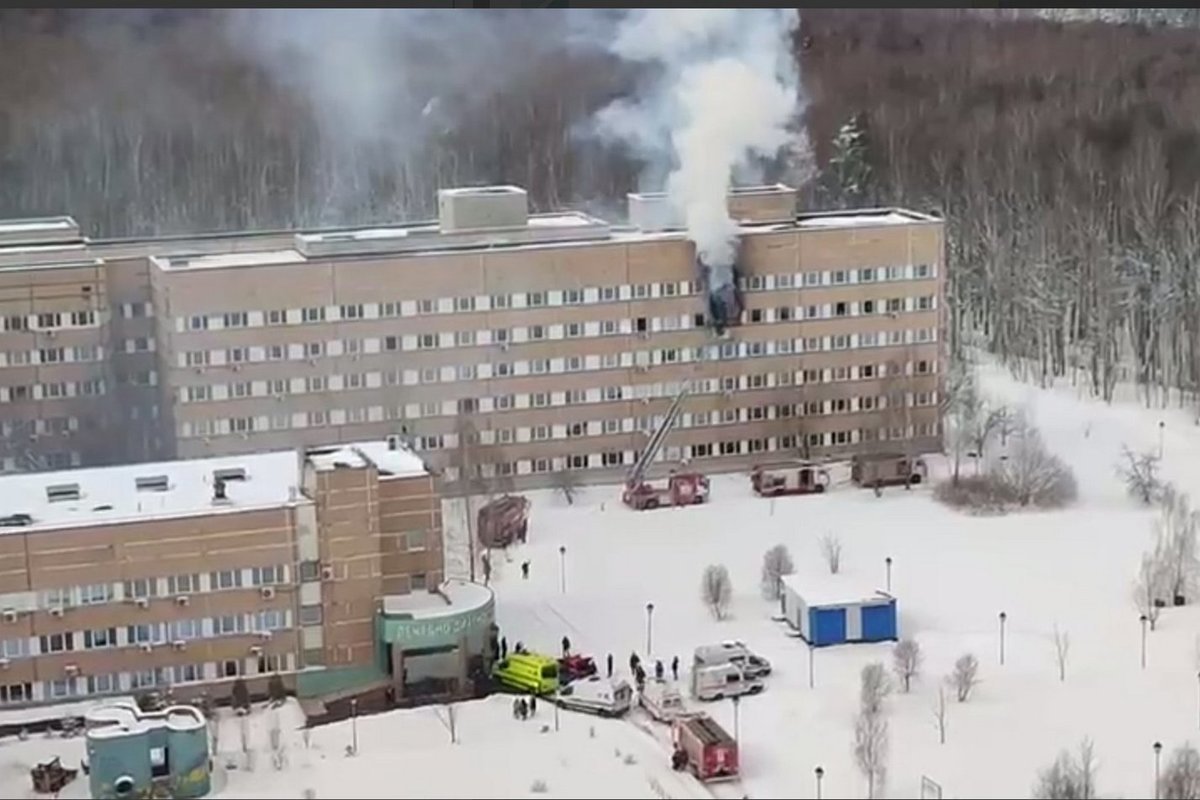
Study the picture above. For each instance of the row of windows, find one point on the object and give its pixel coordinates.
(56, 390)
(51, 355)
(724, 447)
(51, 320)
(504, 337)
(156, 677)
(280, 387)
(170, 586)
(547, 298)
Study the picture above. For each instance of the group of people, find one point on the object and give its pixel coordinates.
(639, 674)
(524, 708)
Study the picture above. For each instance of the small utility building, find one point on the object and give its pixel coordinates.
(834, 609)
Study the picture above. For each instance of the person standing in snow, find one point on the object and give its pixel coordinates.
(532, 704)
(658, 670)
(516, 708)
(633, 663)
(503, 647)
(525, 570)
(522, 708)
(675, 667)
(566, 644)
(487, 569)
(608, 662)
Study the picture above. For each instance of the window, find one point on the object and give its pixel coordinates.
(14, 648)
(95, 594)
(85, 352)
(783, 314)
(184, 629)
(16, 693)
(501, 301)
(612, 392)
(537, 332)
(866, 275)
(195, 323)
(812, 279)
(505, 436)
(572, 297)
(147, 679)
(866, 371)
(313, 314)
(316, 383)
(426, 306)
(351, 311)
(922, 271)
(573, 330)
(430, 375)
(539, 366)
(539, 399)
(102, 684)
(314, 349)
(466, 372)
(231, 668)
(500, 335)
(145, 633)
(783, 281)
(310, 570)
(199, 394)
(417, 581)
(608, 294)
(15, 323)
(276, 316)
(241, 424)
(464, 338)
(431, 409)
(276, 352)
(427, 341)
(310, 615)
(505, 402)
(269, 620)
(62, 687)
(57, 642)
(535, 299)
(266, 576)
(226, 579)
(236, 319)
(608, 327)
(237, 355)
(925, 303)
(464, 304)
(575, 363)
(141, 587)
(229, 625)
(196, 358)
(540, 433)
(240, 389)
(100, 637)
(188, 673)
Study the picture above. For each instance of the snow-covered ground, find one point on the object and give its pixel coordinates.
(953, 574)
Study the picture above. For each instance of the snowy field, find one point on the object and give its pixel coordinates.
(952, 574)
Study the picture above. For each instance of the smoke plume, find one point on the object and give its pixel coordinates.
(724, 92)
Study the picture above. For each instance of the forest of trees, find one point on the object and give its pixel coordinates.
(1064, 156)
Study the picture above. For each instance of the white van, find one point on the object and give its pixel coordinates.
(732, 652)
(723, 680)
(661, 700)
(608, 697)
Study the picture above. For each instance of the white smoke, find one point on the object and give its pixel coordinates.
(726, 91)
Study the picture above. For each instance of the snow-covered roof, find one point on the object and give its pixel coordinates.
(482, 190)
(452, 597)
(52, 712)
(37, 224)
(398, 461)
(121, 718)
(108, 495)
(218, 260)
(833, 590)
(863, 219)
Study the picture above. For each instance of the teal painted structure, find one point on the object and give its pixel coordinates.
(129, 750)
(446, 628)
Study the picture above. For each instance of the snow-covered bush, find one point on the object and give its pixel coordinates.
(964, 676)
(716, 589)
(1139, 471)
(777, 562)
(1069, 778)
(906, 661)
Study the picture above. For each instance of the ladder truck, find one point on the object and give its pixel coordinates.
(680, 488)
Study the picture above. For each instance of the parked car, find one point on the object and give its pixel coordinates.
(574, 667)
(661, 699)
(732, 652)
(723, 680)
(607, 697)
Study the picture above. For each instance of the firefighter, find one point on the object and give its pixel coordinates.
(675, 667)
(516, 708)
(525, 570)
(522, 708)
(503, 647)
(608, 663)
(633, 663)
(566, 645)
(532, 704)
(658, 670)
(640, 677)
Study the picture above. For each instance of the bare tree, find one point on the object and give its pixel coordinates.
(1180, 778)
(1062, 649)
(1152, 584)
(567, 483)
(831, 550)
(1034, 475)
(1069, 778)
(906, 661)
(244, 736)
(965, 676)
(716, 590)
(874, 688)
(777, 562)
(1175, 533)
(939, 714)
(871, 749)
(1139, 471)
(452, 722)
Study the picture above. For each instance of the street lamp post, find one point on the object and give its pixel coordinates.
(811, 680)
(820, 773)
(562, 567)
(1162, 426)
(557, 698)
(737, 738)
(649, 629)
(354, 725)
(888, 562)
(1003, 619)
(1143, 619)
(1157, 772)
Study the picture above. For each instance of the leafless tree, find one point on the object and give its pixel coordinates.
(567, 482)
(716, 590)
(1180, 778)
(244, 736)
(874, 688)
(964, 676)
(831, 550)
(1175, 533)
(906, 661)
(1069, 778)
(1152, 585)
(939, 714)
(871, 749)
(777, 562)
(1034, 475)
(452, 722)
(1062, 649)
(1139, 471)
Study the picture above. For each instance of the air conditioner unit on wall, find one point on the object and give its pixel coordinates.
(179, 644)
(10, 615)
(142, 602)
(267, 592)
(147, 647)
(181, 600)
(57, 611)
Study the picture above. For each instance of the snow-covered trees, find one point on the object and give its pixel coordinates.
(831, 551)
(1168, 569)
(1139, 471)
(716, 590)
(871, 728)
(964, 676)
(849, 164)
(777, 562)
(1180, 779)
(1033, 475)
(1150, 589)
(1069, 777)
(906, 661)
(568, 483)
(1062, 650)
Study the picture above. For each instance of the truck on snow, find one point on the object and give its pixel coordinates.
(704, 748)
(606, 697)
(661, 699)
(721, 681)
(732, 652)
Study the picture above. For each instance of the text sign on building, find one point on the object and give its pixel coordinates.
(433, 632)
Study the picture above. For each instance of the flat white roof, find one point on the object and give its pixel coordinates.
(108, 495)
(433, 231)
(483, 190)
(400, 463)
(892, 217)
(35, 224)
(832, 590)
(216, 260)
(453, 597)
(56, 711)
(117, 719)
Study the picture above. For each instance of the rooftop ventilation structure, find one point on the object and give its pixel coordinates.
(39, 231)
(482, 208)
(62, 492)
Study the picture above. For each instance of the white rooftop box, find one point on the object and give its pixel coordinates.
(482, 207)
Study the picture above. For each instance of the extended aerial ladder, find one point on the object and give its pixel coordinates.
(682, 488)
